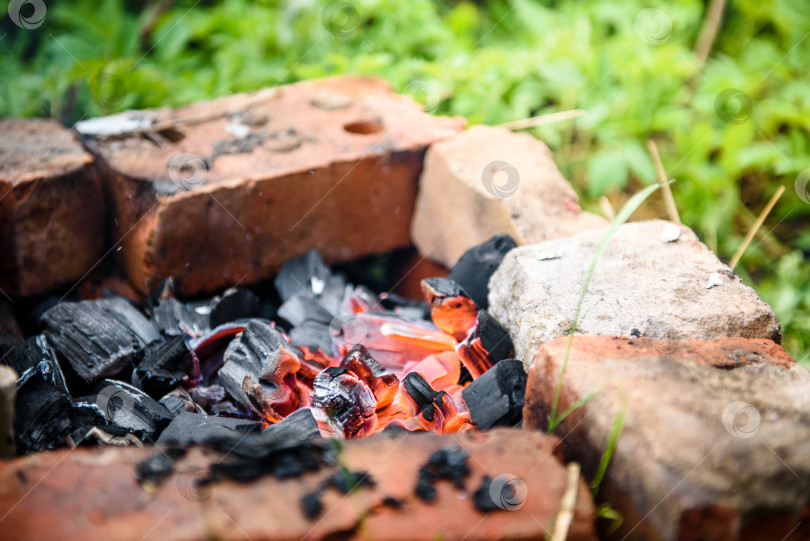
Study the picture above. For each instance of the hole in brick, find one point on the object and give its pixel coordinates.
(172, 134)
(364, 127)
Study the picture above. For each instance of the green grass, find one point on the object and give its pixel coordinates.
(492, 61)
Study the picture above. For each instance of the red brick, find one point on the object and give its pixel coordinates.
(91, 495)
(714, 438)
(336, 170)
(51, 207)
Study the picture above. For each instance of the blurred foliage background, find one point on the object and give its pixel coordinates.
(730, 131)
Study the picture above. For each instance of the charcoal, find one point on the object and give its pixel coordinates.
(451, 308)
(303, 275)
(209, 348)
(448, 463)
(493, 337)
(311, 504)
(477, 265)
(235, 303)
(393, 503)
(129, 408)
(298, 424)
(409, 308)
(422, 394)
(482, 499)
(34, 357)
(193, 428)
(179, 400)
(312, 335)
(496, 398)
(174, 318)
(109, 435)
(42, 416)
(131, 318)
(346, 481)
(382, 383)
(486, 345)
(85, 414)
(302, 308)
(260, 353)
(93, 342)
(343, 405)
(155, 469)
(208, 395)
(286, 449)
(163, 366)
(165, 290)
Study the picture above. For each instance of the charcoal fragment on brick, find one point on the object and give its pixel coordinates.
(93, 342)
(130, 409)
(155, 469)
(282, 451)
(496, 398)
(193, 428)
(162, 367)
(235, 303)
(474, 269)
(311, 504)
(132, 318)
(483, 499)
(449, 463)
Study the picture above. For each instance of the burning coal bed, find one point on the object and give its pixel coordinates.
(334, 360)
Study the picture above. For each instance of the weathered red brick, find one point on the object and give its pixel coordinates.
(51, 207)
(92, 495)
(487, 181)
(714, 436)
(329, 164)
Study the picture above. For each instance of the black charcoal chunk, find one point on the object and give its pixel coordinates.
(178, 400)
(175, 318)
(304, 275)
(301, 308)
(483, 499)
(129, 408)
(33, 358)
(311, 504)
(41, 416)
(235, 303)
(409, 308)
(448, 463)
(93, 342)
(423, 395)
(312, 335)
(493, 337)
(346, 481)
(132, 318)
(208, 395)
(287, 449)
(496, 398)
(474, 269)
(441, 288)
(194, 428)
(155, 469)
(257, 353)
(163, 366)
(298, 424)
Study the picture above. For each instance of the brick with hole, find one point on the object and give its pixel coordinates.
(51, 208)
(225, 191)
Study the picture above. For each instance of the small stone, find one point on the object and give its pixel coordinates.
(670, 233)
(639, 283)
(715, 279)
